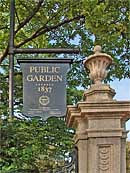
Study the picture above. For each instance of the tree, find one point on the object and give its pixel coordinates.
(33, 145)
(56, 23)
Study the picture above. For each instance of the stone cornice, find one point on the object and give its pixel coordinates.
(97, 109)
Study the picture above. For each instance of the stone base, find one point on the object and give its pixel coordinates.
(99, 92)
(100, 135)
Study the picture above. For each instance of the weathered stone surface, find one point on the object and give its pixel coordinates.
(99, 92)
(100, 124)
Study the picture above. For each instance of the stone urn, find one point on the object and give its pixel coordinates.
(97, 64)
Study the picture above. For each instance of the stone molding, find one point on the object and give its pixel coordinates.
(115, 109)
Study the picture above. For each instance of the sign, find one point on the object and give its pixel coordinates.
(44, 87)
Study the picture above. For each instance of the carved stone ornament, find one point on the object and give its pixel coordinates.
(104, 159)
(97, 64)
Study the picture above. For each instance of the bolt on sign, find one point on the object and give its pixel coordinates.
(44, 87)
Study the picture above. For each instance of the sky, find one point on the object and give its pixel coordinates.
(122, 89)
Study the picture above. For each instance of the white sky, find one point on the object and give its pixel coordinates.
(122, 89)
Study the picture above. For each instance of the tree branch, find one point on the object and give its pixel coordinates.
(40, 31)
(4, 54)
(21, 25)
(17, 17)
(34, 11)
(43, 30)
(4, 27)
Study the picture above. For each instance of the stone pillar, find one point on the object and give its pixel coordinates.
(99, 122)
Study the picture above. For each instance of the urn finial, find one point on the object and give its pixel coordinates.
(97, 64)
(97, 49)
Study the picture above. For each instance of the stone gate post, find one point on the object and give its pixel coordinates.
(100, 122)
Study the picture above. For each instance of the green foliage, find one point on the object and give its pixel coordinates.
(47, 23)
(25, 144)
